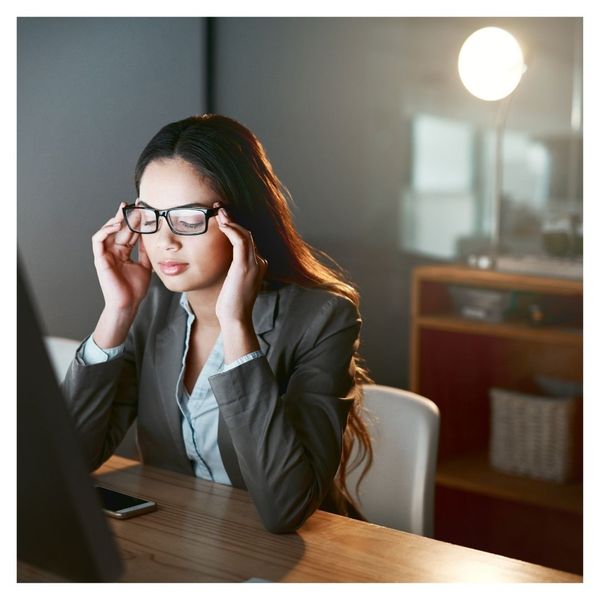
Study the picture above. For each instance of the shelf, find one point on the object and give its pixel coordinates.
(494, 279)
(520, 331)
(454, 362)
(473, 473)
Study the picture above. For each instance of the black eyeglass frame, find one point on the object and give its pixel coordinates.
(208, 213)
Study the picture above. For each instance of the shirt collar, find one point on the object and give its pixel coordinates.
(183, 302)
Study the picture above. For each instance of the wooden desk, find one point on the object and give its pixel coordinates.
(206, 532)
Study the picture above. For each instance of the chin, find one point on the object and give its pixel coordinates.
(183, 284)
(172, 286)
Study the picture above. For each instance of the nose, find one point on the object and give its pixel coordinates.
(165, 238)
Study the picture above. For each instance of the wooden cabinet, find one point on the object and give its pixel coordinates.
(454, 362)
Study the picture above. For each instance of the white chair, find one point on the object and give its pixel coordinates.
(398, 489)
(61, 352)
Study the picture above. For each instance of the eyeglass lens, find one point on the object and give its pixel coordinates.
(185, 221)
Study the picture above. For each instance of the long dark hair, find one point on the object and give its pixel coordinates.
(236, 164)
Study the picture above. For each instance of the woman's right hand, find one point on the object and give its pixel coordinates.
(124, 282)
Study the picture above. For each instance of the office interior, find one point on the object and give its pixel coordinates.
(401, 175)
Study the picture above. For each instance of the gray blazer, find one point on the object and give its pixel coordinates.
(282, 416)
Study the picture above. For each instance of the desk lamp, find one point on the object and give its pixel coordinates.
(490, 65)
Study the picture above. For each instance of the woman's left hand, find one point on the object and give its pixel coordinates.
(244, 278)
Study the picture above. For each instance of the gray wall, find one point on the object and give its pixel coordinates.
(303, 86)
(91, 93)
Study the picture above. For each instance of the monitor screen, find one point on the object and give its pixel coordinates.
(60, 525)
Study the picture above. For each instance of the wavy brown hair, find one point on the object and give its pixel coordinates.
(234, 161)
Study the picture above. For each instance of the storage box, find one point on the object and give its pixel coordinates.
(480, 304)
(534, 435)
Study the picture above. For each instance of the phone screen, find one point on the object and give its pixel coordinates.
(115, 501)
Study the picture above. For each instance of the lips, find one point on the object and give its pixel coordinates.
(171, 267)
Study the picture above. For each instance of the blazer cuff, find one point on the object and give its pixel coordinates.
(237, 391)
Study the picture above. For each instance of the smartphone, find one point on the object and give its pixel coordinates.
(122, 506)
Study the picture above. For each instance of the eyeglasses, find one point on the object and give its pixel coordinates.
(181, 221)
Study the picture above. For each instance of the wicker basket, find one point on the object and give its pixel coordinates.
(534, 435)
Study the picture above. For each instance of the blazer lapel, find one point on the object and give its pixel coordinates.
(167, 359)
(168, 355)
(263, 317)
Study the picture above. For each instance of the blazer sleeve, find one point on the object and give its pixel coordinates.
(102, 398)
(102, 401)
(289, 446)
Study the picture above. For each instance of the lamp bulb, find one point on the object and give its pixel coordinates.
(490, 63)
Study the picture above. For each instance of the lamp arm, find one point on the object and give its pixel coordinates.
(501, 116)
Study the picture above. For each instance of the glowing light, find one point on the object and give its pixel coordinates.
(490, 63)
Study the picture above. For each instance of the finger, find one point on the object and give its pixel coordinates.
(120, 209)
(224, 218)
(125, 236)
(129, 241)
(239, 243)
(224, 221)
(239, 236)
(114, 224)
(243, 246)
(121, 236)
(263, 265)
(110, 228)
(98, 246)
(106, 239)
(118, 218)
(111, 222)
(107, 230)
(254, 254)
(103, 239)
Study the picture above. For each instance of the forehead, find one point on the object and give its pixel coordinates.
(174, 182)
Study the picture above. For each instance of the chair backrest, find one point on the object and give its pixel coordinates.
(61, 351)
(398, 490)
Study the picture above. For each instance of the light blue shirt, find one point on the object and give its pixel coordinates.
(199, 411)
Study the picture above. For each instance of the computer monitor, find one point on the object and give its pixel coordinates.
(60, 524)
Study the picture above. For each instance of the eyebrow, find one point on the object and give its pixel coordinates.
(191, 205)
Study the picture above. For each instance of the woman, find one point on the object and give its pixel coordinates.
(241, 364)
